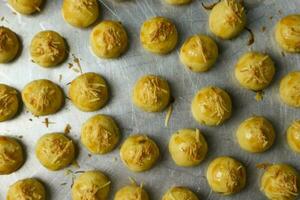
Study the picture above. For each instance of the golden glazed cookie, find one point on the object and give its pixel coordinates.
(159, 35)
(211, 106)
(151, 93)
(255, 135)
(26, 7)
(287, 33)
(290, 89)
(226, 175)
(187, 147)
(9, 102)
(179, 193)
(91, 185)
(255, 71)
(178, 2)
(109, 39)
(48, 49)
(100, 134)
(42, 97)
(80, 13)
(9, 45)
(11, 155)
(227, 19)
(131, 192)
(89, 92)
(280, 182)
(29, 188)
(55, 151)
(199, 53)
(139, 153)
(293, 136)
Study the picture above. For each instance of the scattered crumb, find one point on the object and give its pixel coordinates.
(30, 119)
(47, 122)
(211, 6)
(79, 172)
(77, 62)
(168, 116)
(115, 159)
(67, 129)
(2, 19)
(279, 11)
(70, 65)
(76, 70)
(263, 29)
(271, 17)
(75, 164)
(60, 78)
(68, 98)
(263, 166)
(63, 184)
(20, 136)
(251, 37)
(283, 54)
(259, 96)
(89, 155)
(32, 61)
(68, 172)
(132, 180)
(14, 13)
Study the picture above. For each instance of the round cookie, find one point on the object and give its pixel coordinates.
(255, 71)
(178, 2)
(80, 13)
(290, 89)
(199, 53)
(9, 102)
(187, 147)
(211, 106)
(100, 134)
(139, 153)
(179, 193)
(293, 136)
(131, 192)
(91, 185)
(109, 39)
(287, 33)
(158, 35)
(255, 135)
(11, 155)
(26, 7)
(151, 93)
(55, 151)
(227, 19)
(48, 49)
(226, 175)
(280, 181)
(89, 92)
(9, 45)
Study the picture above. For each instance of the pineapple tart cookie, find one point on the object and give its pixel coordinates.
(293, 136)
(139, 153)
(211, 106)
(158, 35)
(109, 39)
(178, 2)
(48, 49)
(255, 71)
(11, 155)
(187, 147)
(9, 102)
(226, 175)
(227, 19)
(42, 97)
(179, 193)
(26, 7)
(199, 53)
(55, 151)
(80, 13)
(89, 92)
(290, 89)
(280, 181)
(151, 93)
(100, 134)
(255, 135)
(287, 33)
(132, 192)
(29, 188)
(91, 185)
(9, 45)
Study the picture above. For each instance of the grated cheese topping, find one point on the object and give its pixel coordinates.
(28, 192)
(41, 99)
(90, 90)
(48, 46)
(234, 13)
(256, 71)
(112, 38)
(4, 39)
(151, 90)
(6, 99)
(162, 31)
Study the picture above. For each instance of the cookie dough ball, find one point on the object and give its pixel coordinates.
(255, 135)
(80, 13)
(159, 35)
(226, 175)
(187, 147)
(91, 185)
(290, 89)
(9, 45)
(27, 189)
(151, 93)
(48, 49)
(131, 192)
(89, 92)
(199, 53)
(280, 181)
(109, 39)
(26, 7)
(139, 153)
(287, 33)
(178, 2)
(293, 136)
(179, 193)
(9, 102)
(100, 134)
(11, 155)
(55, 151)
(227, 19)
(255, 71)
(211, 106)
(42, 97)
